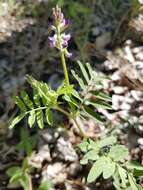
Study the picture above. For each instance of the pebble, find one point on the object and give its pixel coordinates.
(102, 41)
(74, 168)
(49, 135)
(36, 159)
(140, 142)
(119, 89)
(55, 172)
(65, 150)
(137, 95)
(139, 129)
(129, 55)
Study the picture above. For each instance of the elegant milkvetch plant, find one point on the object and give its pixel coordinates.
(84, 103)
(66, 99)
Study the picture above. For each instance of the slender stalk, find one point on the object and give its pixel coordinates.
(74, 119)
(35, 109)
(65, 113)
(62, 111)
(80, 129)
(64, 67)
(62, 55)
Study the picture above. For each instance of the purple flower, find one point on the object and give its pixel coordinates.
(59, 39)
(52, 27)
(53, 41)
(68, 54)
(64, 39)
(64, 24)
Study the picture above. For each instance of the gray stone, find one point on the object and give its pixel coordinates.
(65, 150)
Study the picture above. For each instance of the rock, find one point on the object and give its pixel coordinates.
(125, 106)
(139, 56)
(141, 2)
(65, 151)
(128, 52)
(119, 89)
(49, 135)
(74, 168)
(137, 95)
(140, 142)
(139, 129)
(55, 172)
(36, 159)
(70, 186)
(116, 76)
(102, 41)
(137, 50)
(95, 31)
(117, 101)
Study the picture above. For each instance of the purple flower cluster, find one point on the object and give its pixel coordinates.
(60, 40)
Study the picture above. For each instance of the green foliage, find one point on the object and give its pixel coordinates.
(45, 185)
(108, 160)
(90, 97)
(27, 142)
(45, 100)
(19, 176)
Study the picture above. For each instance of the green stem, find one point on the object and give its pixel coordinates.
(35, 109)
(80, 129)
(64, 67)
(62, 111)
(74, 119)
(65, 113)
(62, 57)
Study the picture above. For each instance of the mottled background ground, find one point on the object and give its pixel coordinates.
(108, 34)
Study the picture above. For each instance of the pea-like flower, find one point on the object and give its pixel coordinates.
(54, 41)
(62, 25)
(59, 39)
(64, 38)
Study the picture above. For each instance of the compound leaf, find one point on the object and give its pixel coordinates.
(123, 175)
(107, 141)
(93, 114)
(31, 118)
(83, 146)
(98, 104)
(132, 182)
(96, 170)
(15, 173)
(101, 96)
(79, 80)
(109, 168)
(17, 120)
(26, 99)
(84, 72)
(49, 116)
(20, 104)
(39, 116)
(118, 153)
